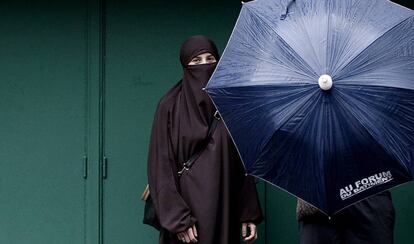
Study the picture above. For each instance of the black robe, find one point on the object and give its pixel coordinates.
(214, 194)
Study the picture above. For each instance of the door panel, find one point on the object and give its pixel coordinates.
(42, 126)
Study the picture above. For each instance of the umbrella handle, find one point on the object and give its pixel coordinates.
(283, 16)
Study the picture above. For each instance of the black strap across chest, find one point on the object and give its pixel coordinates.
(187, 165)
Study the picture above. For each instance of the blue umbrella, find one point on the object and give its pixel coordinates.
(318, 96)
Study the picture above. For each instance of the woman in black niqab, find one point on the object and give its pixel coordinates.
(214, 197)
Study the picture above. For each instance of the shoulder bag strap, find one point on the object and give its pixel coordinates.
(187, 165)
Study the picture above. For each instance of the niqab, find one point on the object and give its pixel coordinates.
(194, 111)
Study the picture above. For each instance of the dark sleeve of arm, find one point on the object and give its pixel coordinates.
(173, 212)
(250, 205)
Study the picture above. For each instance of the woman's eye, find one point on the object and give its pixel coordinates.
(211, 59)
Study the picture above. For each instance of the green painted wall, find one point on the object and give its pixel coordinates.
(82, 78)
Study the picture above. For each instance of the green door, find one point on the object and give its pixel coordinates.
(127, 123)
(43, 126)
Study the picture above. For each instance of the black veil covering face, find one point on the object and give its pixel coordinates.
(195, 109)
(214, 194)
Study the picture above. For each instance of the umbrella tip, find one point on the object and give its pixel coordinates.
(325, 82)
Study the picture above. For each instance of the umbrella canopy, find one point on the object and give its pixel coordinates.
(318, 96)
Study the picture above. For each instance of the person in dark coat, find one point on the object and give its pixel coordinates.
(213, 201)
(366, 222)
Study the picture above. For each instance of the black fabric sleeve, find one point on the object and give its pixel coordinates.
(173, 213)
